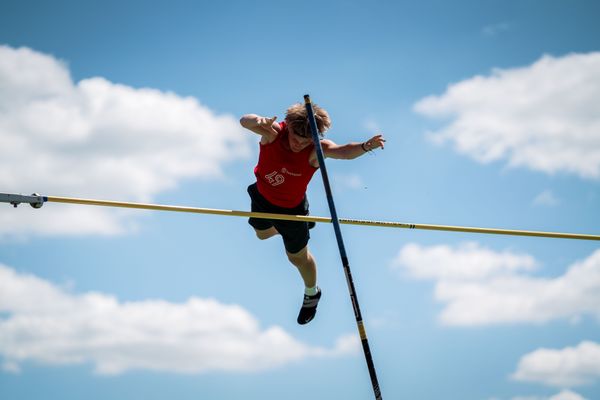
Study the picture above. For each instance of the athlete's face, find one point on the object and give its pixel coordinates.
(297, 142)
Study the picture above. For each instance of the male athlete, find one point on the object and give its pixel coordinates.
(286, 163)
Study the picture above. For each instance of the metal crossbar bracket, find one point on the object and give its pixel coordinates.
(35, 200)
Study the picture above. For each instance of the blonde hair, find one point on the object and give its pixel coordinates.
(296, 118)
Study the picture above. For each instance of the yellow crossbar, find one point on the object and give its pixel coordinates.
(305, 218)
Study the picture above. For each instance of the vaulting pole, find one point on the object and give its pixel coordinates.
(36, 201)
(340, 241)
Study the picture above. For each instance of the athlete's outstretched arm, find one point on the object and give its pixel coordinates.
(261, 125)
(351, 150)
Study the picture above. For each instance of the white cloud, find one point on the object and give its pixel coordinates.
(495, 29)
(49, 325)
(372, 126)
(571, 366)
(467, 262)
(11, 367)
(348, 181)
(546, 198)
(99, 139)
(480, 286)
(562, 395)
(543, 116)
(567, 395)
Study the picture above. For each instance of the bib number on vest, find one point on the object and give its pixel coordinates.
(274, 178)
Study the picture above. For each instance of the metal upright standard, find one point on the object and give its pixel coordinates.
(35, 200)
(340, 242)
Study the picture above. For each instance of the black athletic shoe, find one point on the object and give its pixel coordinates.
(309, 308)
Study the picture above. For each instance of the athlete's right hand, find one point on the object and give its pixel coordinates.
(266, 125)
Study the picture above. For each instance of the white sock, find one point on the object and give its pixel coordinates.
(311, 291)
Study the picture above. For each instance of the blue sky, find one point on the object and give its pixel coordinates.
(490, 111)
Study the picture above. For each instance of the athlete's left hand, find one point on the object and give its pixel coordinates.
(375, 142)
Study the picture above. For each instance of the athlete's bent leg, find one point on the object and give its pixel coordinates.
(266, 233)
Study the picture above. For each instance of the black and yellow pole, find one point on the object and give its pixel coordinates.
(340, 241)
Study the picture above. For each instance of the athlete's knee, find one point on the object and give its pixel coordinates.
(299, 257)
(266, 233)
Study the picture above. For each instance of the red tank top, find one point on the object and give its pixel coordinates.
(282, 175)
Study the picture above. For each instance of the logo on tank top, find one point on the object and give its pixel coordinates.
(285, 171)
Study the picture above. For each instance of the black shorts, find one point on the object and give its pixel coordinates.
(294, 233)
